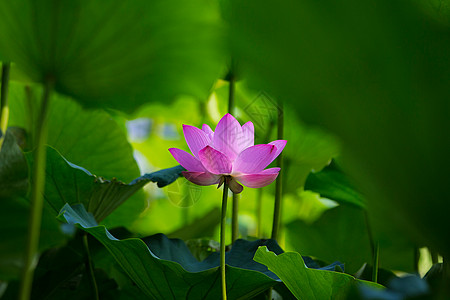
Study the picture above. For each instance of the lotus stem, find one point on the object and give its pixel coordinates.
(259, 198)
(444, 287)
(90, 267)
(235, 219)
(235, 212)
(37, 200)
(374, 246)
(222, 239)
(446, 268)
(376, 255)
(231, 92)
(434, 256)
(4, 108)
(416, 259)
(278, 186)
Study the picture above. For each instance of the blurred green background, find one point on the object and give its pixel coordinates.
(365, 84)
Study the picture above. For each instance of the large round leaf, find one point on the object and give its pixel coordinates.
(118, 54)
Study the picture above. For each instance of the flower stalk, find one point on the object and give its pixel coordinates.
(4, 108)
(279, 180)
(376, 255)
(259, 198)
(235, 211)
(90, 267)
(37, 200)
(222, 238)
(374, 247)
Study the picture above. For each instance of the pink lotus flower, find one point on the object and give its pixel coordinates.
(227, 154)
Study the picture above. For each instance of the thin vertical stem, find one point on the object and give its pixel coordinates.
(29, 109)
(259, 197)
(231, 92)
(222, 239)
(376, 255)
(446, 267)
(278, 186)
(445, 279)
(374, 246)
(4, 108)
(416, 259)
(37, 201)
(235, 219)
(90, 267)
(235, 212)
(434, 256)
(369, 233)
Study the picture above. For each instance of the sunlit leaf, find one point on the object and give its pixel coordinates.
(306, 283)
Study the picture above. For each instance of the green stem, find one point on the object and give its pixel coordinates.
(259, 199)
(222, 239)
(4, 108)
(374, 247)
(90, 267)
(434, 256)
(231, 92)
(444, 286)
(376, 255)
(416, 259)
(29, 109)
(369, 233)
(37, 201)
(235, 212)
(235, 218)
(446, 267)
(278, 186)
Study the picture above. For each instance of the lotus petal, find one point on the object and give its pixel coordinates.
(196, 139)
(228, 136)
(201, 178)
(259, 180)
(254, 159)
(215, 161)
(188, 161)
